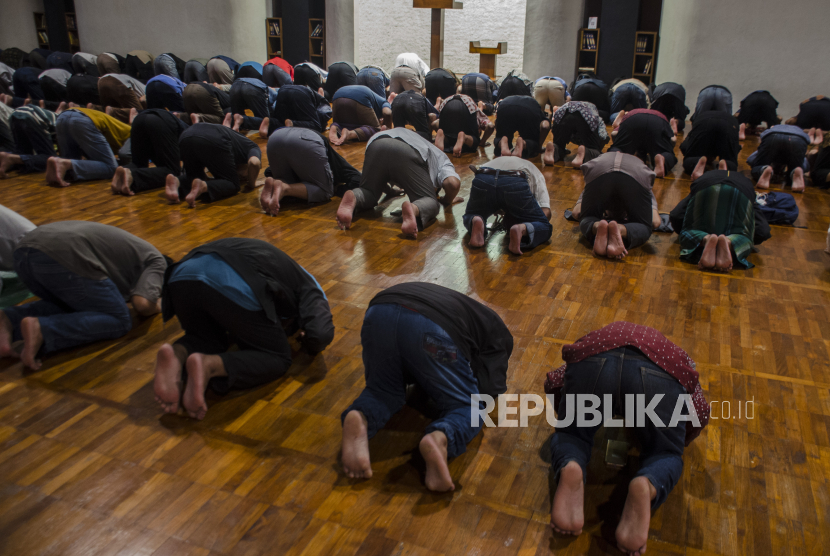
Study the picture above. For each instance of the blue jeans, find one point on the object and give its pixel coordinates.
(78, 137)
(73, 310)
(400, 347)
(29, 138)
(512, 195)
(373, 78)
(619, 372)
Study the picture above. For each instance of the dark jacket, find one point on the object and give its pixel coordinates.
(736, 180)
(283, 288)
(477, 330)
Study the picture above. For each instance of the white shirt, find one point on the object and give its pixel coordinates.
(12, 228)
(413, 61)
(535, 178)
(440, 166)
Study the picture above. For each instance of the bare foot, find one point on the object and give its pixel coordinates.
(766, 176)
(579, 158)
(519, 148)
(459, 145)
(61, 107)
(601, 238)
(410, 221)
(171, 189)
(616, 247)
(194, 119)
(32, 340)
(5, 165)
(723, 259)
(517, 232)
(818, 139)
(133, 114)
(673, 124)
(722, 165)
(228, 121)
(504, 146)
(6, 337)
(263, 128)
(392, 97)
(237, 122)
(708, 258)
(434, 450)
(439, 140)
(548, 157)
(289, 123)
(798, 180)
(197, 188)
(56, 169)
(334, 135)
(168, 380)
(267, 194)
(567, 515)
(198, 375)
(632, 532)
(121, 182)
(355, 450)
(477, 232)
(276, 197)
(345, 212)
(659, 166)
(108, 110)
(742, 132)
(700, 168)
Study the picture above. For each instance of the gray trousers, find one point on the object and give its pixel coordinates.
(298, 155)
(390, 160)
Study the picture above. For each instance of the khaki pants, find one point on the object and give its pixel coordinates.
(549, 91)
(404, 78)
(197, 100)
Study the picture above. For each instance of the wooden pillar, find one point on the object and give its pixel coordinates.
(487, 56)
(436, 42)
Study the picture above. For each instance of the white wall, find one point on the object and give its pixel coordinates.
(551, 35)
(187, 28)
(746, 46)
(385, 28)
(340, 40)
(17, 24)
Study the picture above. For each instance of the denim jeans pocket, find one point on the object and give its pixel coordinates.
(440, 348)
(656, 381)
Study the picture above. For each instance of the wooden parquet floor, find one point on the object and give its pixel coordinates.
(90, 466)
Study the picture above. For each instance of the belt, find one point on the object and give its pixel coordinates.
(494, 171)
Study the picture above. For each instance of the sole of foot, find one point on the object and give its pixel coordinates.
(723, 259)
(32, 340)
(659, 166)
(56, 169)
(477, 232)
(263, 128)
(409, 227)
(722, 165)
(118, 180)
(567, 515)
(196, 190)
(601, 239)
(766, 176)
(516, 233)
(742, 132)
(579, 158)
(548, 157)
(708, 258)
(171, 189)
(355, 447)
(616, 247)
(438, 478)
(700, 168)
(167, 384)
(632, 532)
(193, 398)
(345, 212)
(798, 180)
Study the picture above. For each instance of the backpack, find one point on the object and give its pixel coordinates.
(778, 208)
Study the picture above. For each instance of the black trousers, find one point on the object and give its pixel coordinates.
(712, 138)
(783, 152)
(212, 151)
(244, 95)
(814, 113)
(617, 196)
(820, 168)
(194, 71)
(573, 128)
(26, 84)
(154, 137)
(409, 108)
(83, 89)
(275, 76)
(646, 134)
(596, 95)
(52, 90)
(454, 119)
(212, 323)
(672, 107)
(511, 119)
(758, 107)
(441, 83)
(304, 75)
(162, 95)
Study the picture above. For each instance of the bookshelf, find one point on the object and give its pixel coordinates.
(72, 31)
(40, 28)
(587, 58)
(273, 37)
(317, 41)
(645, 50)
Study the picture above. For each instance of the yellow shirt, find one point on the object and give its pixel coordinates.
(114, 131)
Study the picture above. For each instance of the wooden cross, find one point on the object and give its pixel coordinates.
(436, 43)
(487, 56)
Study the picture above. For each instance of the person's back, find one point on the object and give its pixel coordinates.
(340, 75)
(514, 83)
(373, 77)
(441, 83)
(713, 97)
(670, 99)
